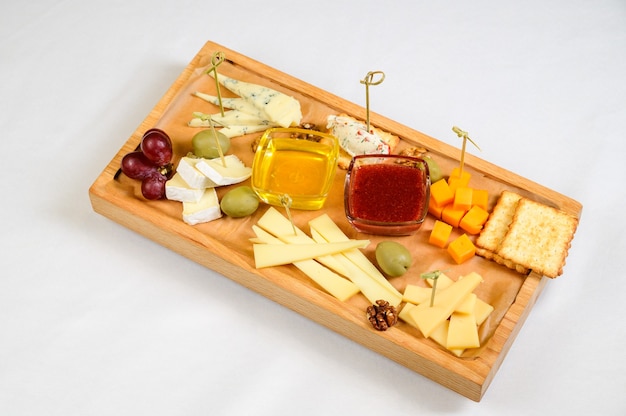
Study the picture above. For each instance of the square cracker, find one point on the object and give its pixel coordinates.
(538, 238)
(498, 223)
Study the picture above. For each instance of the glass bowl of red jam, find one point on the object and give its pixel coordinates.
(295, 165)
(387, 194)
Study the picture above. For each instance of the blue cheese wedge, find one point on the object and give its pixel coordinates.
(280, 108)
(236, 131)
(354, 138)
(238, 104)
(228, 173)
(191, 175)
(230, 118)
(176, 189)
(205, 210)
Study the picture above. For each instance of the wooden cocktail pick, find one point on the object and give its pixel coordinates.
(464, 135)
(286, 201)
(367, 81)
(216, 60)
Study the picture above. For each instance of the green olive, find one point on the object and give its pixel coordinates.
(433, 169)
(393, 258)
(205, 144)
(239, 202)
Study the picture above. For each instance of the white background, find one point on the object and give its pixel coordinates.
(97, 320)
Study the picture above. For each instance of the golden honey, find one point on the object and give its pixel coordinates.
(302, 170)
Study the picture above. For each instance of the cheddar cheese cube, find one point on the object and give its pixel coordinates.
(474, 219)
(440, 234)
(461, 249)
(463, 198)
(434, 209)
(480, 198)
(452, 215)
(458, 179)
(441, 193)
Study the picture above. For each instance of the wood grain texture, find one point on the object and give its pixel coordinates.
(158, 221)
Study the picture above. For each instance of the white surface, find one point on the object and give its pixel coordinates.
(96, 320)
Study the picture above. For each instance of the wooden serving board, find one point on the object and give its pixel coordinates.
(223, 245)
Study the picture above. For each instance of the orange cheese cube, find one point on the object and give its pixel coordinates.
(440, 234)
(480, 198)
(474, 219)
(434, 209)
(463, 198)
(458, 179)
(452, 215)
(461, 249)
(441, 193)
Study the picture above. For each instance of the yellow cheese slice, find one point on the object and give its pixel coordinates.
(468, 305)
(331, 282)
(462, 331)
(483, 309)
(417, 294)
(268, 255)
(327, 228)
(427, 317)
(439, 334)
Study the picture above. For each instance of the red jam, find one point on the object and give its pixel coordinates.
(388, 193)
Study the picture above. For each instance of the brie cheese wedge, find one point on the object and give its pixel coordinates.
(205, 210)
(233, 172)
(176, 189)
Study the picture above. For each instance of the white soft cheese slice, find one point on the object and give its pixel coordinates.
(190, 174)
(234, 171)
(280, 108)
(176, 189)
(205, 210)
(354, 138)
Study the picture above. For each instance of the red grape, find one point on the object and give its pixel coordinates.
(153, 186)
(157, 147)
(136, 165)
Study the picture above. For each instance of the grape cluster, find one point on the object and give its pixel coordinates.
(151, 164)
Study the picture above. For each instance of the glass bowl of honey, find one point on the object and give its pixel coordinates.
(387, 194)
(294, 164)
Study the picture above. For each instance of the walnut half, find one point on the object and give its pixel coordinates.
(382, 315)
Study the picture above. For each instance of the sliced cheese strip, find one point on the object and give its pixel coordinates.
(439, 334)
(327, 228)
(427, 317)
(205, 210)
(331, 282)
(278, 225)
(482, 312)
(234, 171)
(370, 288)
(417, 294)
(462, 331)
(267, 255)
(482, 308)
(176, 189)
(468, 305)
(280, 108)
